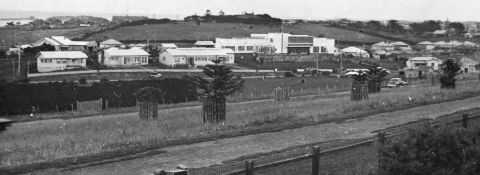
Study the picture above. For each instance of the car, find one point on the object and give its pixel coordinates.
(155, 75)
(396, 82)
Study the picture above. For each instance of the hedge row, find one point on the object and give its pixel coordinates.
(20, 98)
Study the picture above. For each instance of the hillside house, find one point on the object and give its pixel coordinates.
(62, 43)
(440, 33)
(165, 46)
(401, 46)
(425, 45)
(354, 51)
(110, 43)
(195, 56)
(468, 65)
(383, 46)
(420, 66)
(470, 44)
(48, 61)
(116, 57)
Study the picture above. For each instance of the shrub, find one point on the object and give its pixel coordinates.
(82, 81)
(427, 150)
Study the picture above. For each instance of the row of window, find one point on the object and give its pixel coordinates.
(239, 48)
(316, 49)
(177, 59)
(300, 39)
(61, 61)
(128, 59)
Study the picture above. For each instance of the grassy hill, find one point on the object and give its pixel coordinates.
(30, 36)
(208, 31)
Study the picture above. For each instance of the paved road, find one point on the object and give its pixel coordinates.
(215, 152)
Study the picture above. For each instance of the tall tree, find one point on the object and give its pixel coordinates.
(394, 26)
(376, 75)
(220, 84)
(459, 28)
(448, 71)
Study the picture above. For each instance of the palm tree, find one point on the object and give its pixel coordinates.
(359, 86)
(376, 75)
(214, 89)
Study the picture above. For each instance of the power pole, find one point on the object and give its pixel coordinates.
(19, 56)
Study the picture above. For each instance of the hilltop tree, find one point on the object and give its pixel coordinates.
(426, 26)
(214, 91)
(394, 26)
(448, 71)
(374, 25)
(459, 28)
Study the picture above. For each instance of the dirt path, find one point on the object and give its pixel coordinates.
(215, 152)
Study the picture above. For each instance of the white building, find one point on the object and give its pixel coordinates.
(468, 65)
(165, 46)
(123, 57)
(245, 45)
(62, 43)
(425, 45)
(195, 56)
(298, 44)
(110, 43)
(419, 62)
(48, 61)
(401, 46)
(354, 51)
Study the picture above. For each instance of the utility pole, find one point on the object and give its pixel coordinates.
(19, 56)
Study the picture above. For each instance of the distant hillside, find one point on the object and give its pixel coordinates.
(209, 31)
(83, 19)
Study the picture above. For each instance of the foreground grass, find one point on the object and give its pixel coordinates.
(40, 141)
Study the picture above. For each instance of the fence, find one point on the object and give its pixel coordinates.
(314, 153)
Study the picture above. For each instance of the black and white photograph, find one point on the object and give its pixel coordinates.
(239, 87)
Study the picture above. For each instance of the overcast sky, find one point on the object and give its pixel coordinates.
(455, 10)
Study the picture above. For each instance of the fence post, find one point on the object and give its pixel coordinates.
(316, 160)
(71, 104)
(56, 107)
(465, 120)
(251, 94)
(249, 166)
(381, 140)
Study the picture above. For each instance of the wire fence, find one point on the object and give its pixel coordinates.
(313, 155)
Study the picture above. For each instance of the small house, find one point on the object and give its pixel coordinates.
(48, 61)
(110, 43)
(195, 56)
(206, 44)
(116, 57)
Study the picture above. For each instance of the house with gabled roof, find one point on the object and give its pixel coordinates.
(425, 45)
(196, 56)
(48, 61)
(206, 44)
(398, 45)
(110, 43)
(62, 43)
(117, 57)
(383, 46)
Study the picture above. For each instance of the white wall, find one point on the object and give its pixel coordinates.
(114, 60)
(56, 64)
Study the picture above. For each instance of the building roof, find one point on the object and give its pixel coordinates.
(440, 32)
(204, 43)
(425, 43)
(352, 49)
(126, 52)
(111, 42)
(468, 43)
(63, 54)
(399, 43)
(423, 58)
(440, 43)
(169, 45)
(199, 51)
(65, 41)
(467, 60)
(454, 43)
(384, 44)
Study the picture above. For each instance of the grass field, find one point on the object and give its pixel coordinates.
(209, 31)
(30, 36)
(40, 141)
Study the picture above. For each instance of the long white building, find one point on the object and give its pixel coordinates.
(299, 44)
(195, 56)
(116, 57)
(48, 61)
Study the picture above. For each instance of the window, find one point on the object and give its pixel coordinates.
(164, 58)
(316, 49)
(241, 48)
(300, 39)
(229, 47)
(177, 60)
(324, 50)
(433, 64)
(249, 48)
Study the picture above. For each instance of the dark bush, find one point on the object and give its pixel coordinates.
(430, 151)
(449, 69)
(82, 81)
(289, 74)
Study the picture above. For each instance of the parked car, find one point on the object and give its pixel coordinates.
(155, 75)
(396, 82)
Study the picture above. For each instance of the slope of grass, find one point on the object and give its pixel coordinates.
(30, 36)
(41, 141)
(208, 31)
